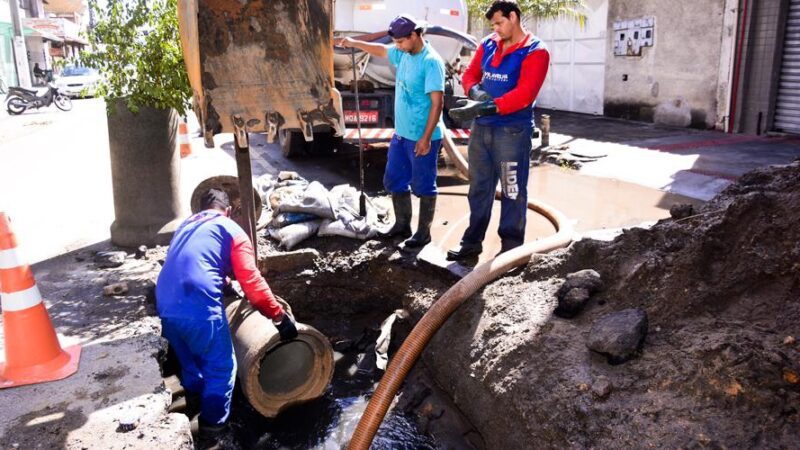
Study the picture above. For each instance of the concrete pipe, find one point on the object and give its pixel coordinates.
(273, 374)
(145, 175)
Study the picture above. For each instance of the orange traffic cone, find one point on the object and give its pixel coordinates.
(183, 139)
(33, 354)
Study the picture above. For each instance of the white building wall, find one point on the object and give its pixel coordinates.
(675, 81)
(5, 11)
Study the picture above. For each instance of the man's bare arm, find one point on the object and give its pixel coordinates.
(437, 104)
(379, 50)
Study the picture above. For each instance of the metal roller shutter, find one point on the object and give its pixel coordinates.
(787, 111)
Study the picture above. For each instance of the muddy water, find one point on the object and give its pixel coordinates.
(593, 202)
(329, 422)
(326, 423)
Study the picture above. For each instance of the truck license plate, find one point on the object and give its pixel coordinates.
(366, 117)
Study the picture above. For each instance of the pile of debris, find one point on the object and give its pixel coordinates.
(683, 335)
(565, 156)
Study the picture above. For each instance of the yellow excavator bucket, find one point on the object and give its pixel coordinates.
(268, 63)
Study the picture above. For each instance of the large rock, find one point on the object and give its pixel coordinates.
(681, 211)
(571, 303)
(619, 335)
(110, 260)
(576, 291)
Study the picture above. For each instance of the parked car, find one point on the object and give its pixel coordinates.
(78, 81)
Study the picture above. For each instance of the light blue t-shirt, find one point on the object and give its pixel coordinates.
(417, 76)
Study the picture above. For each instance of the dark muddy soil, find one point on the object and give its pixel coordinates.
(354, 277)
(719, 365)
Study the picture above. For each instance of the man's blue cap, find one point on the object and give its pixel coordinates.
(402, 26)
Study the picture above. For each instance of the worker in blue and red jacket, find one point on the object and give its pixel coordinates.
(206, 249)
(503, 80)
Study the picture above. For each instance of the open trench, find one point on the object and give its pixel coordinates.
(346, 294)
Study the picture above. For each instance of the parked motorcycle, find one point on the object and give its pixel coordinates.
(20, 99)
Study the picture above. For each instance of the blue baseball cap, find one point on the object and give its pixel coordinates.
(402, 26)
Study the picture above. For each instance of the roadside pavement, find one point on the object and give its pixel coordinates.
(694, 163)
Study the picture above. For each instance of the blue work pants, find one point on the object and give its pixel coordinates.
(405, 171)
(208, 365)
(498, 153)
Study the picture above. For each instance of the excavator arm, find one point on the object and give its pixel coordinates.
(267, 63)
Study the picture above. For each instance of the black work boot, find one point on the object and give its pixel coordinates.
(506, 246)
(402, 217)
(427, 207)
(464, 251)
(206, 437)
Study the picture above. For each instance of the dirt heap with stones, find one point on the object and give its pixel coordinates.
(678, 336)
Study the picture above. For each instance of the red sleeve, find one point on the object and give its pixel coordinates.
(531, 77)
(254, 285)
(474, 73)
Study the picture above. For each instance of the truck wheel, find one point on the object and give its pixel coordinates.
(293, 144)
(324, 143)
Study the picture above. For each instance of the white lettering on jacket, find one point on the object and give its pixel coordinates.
(499, 77)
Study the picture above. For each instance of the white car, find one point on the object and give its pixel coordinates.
(78, 81)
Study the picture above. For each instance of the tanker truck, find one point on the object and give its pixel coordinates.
(368, 20)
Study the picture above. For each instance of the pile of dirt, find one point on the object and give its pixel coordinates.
(719, 365)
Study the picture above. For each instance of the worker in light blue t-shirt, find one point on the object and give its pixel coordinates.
(418, 103)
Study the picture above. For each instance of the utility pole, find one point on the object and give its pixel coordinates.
(20, 51)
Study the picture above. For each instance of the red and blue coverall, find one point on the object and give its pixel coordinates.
(500, 145)
(205, 249)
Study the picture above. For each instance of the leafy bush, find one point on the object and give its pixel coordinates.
(136, 47)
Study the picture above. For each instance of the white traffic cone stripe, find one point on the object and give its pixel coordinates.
(18, 301)
(10, 259)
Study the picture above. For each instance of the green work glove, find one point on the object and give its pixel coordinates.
(469, 109)
(477, 93)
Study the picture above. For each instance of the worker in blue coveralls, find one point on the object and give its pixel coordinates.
(206, 249)
(502, 81)
(418, 103)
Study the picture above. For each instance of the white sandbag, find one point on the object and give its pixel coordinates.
(291, 235)
(302, 183)
(313, 200)
(284, 175)
(264, 185)
(344, 195)
(281, 193)
(345, 201)
(349, 223)
(356, 229)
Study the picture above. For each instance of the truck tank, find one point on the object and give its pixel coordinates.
(353, 17)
